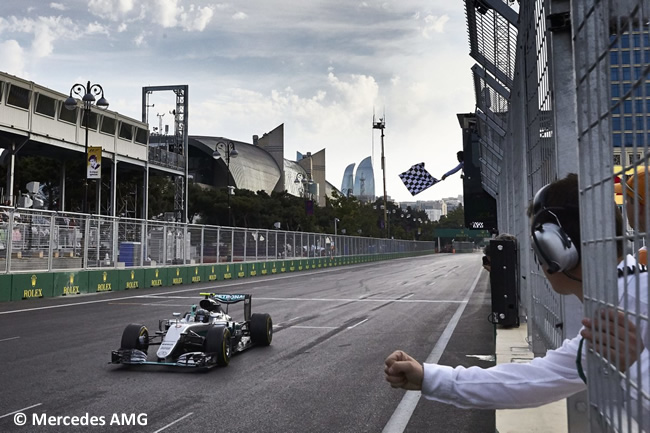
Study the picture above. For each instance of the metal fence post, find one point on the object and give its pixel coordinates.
(10, 239)
(203, 243)
(84, 260)
(50, 250)
(219, 244)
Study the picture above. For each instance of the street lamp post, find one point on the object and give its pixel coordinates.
(381, 125)
(336, 220)
(87, 94)
(231, 152)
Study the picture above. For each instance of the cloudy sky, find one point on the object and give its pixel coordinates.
(321, 67)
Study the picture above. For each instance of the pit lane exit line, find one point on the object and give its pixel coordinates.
(20, 410)
(173, 422)
(402, 415)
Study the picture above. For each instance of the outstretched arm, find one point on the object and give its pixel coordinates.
(402, 371)
(504, 386)
(453, 170)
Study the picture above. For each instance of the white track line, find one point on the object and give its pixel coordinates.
(425, 301)
(173, 422)
(193, 289)
(259, 298)
(7, 339)
(20, 410)
(311, 327)
(402, 415)
(354, 326)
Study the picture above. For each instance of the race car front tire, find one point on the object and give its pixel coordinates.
(261, 329)
(217, 343)
(135, 336)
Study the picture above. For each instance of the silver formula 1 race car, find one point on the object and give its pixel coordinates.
(203, 337)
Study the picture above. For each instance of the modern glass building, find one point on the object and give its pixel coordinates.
(629, 54)
(364, 181)
(347, 185)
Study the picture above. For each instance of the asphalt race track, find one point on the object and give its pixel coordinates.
(322, 373)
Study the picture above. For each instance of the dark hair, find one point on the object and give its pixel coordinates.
(561, 198)
(460, 156)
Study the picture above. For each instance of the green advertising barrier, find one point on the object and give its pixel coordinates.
(131, 279)
(252, 269)
(227, 272)
(275, 268)
(103, 281)
(5, 288)
(156, 277)
(292, 265)
(70, 283)
(301, 264)
(264, 268)
(28, 286)
(306, 264)
(178, 275)
(211, 272)
(241, 269)
(195, 274)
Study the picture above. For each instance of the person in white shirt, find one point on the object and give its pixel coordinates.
(554, 221)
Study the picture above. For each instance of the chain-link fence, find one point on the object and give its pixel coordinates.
(576, 99)
(33, 240)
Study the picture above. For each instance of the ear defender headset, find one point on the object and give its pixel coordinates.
(552, 246)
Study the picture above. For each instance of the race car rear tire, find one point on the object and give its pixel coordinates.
(217, 343)
(261, 329)
(135, 336)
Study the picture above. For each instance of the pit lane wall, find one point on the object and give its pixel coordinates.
(25, 286)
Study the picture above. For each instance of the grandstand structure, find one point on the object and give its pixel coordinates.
(35, 122)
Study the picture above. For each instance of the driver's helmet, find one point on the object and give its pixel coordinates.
(202, 316)
(210, 305)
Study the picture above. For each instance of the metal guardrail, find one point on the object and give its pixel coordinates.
(36, 240)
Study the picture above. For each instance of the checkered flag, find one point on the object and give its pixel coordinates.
(417, 179)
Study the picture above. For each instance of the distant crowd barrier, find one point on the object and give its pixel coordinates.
(44, 254)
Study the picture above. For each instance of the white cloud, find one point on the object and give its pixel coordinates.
(13, 58)
(110, 9)
(166, 13)
(434, 24)
(239, 16)
(196, 19)
(321, 68)
(96, 28)
(46, 31)
(58, 6)
(139, 40)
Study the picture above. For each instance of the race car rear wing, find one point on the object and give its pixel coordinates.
(230, 298)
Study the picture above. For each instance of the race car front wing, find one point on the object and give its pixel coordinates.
(138, 357)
